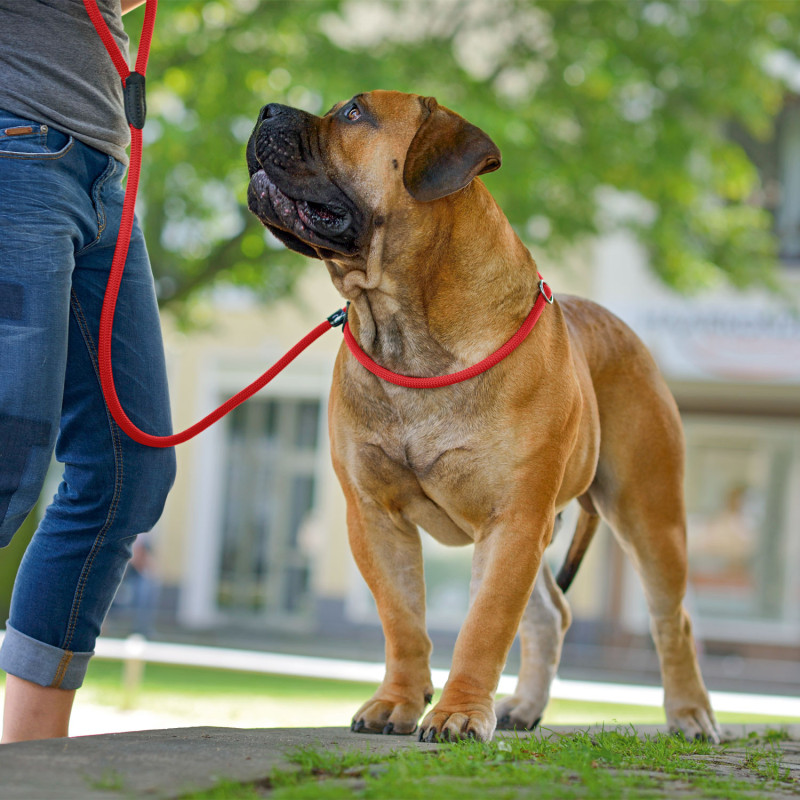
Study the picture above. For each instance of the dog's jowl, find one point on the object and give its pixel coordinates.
(384, 189)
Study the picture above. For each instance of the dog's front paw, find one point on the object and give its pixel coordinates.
(694, 722)
(443, 724)
(390, 713)
(519, 713)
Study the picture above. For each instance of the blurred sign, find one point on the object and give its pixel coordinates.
(722, 344)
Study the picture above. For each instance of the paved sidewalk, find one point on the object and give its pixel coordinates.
(163, 763)
(167, 764)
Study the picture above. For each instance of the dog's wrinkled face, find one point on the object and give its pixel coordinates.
(320, 183)
(291, 189)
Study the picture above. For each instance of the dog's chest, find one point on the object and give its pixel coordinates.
(431, 479)
(424, 446)
(429, 459)
(436, 457)
(422, 432)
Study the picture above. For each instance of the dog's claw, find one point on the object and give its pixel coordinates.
(432, 735)
(388, 729)
(357, 726)
(506, 723)
(428, 698)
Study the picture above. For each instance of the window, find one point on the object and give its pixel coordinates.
(738, 499)
(269, 487)
(787, 214)
(778, 164)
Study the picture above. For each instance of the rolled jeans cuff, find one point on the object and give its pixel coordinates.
(41, 663)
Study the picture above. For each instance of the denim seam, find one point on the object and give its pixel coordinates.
(118, 480)
(61, 671)
(39, 156)
(99, 208)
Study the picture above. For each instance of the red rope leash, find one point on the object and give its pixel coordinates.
(258, 384)
(131, 79)
(544, 297)
(133, 88)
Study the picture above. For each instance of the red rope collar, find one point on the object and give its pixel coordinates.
(544, 297)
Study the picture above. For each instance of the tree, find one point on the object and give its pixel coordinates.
(587, 100)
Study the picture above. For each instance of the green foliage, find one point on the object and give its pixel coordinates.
(589, 102)
(10, 559)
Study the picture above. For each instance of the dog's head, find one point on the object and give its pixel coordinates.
(322, 185)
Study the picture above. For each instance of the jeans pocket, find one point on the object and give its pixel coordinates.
(24, 139)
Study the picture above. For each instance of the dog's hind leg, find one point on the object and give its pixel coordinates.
(541, 632)
(639, 491)
(659, 554)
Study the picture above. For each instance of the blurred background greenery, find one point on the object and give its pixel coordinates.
(665, 100)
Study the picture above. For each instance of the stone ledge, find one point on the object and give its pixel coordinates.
(166, 764)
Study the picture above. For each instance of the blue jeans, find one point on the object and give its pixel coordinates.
(60, 206)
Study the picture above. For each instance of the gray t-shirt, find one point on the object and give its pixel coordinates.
(54, 69)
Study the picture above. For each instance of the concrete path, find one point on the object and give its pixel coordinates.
(163, 763)
(166, 764)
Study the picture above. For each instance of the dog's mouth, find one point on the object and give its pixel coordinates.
(320, 225)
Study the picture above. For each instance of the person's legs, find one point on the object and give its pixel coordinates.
(38, 206)
(112, 488)
(31, 711)
(36, 262)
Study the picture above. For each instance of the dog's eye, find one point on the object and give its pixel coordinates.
(353, 113)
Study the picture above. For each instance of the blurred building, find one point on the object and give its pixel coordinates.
(253, 542)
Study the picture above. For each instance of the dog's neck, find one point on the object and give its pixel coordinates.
(431, 306)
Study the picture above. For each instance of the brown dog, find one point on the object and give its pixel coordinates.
(383, 189)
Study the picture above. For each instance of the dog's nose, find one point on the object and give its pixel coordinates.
(269, 111)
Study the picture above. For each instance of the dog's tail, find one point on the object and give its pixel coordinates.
(588, 520)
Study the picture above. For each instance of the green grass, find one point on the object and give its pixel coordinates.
(601, 765)
(109, 780)
(766, 759)
(104, 679)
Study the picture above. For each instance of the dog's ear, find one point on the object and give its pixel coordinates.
(446, 153)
